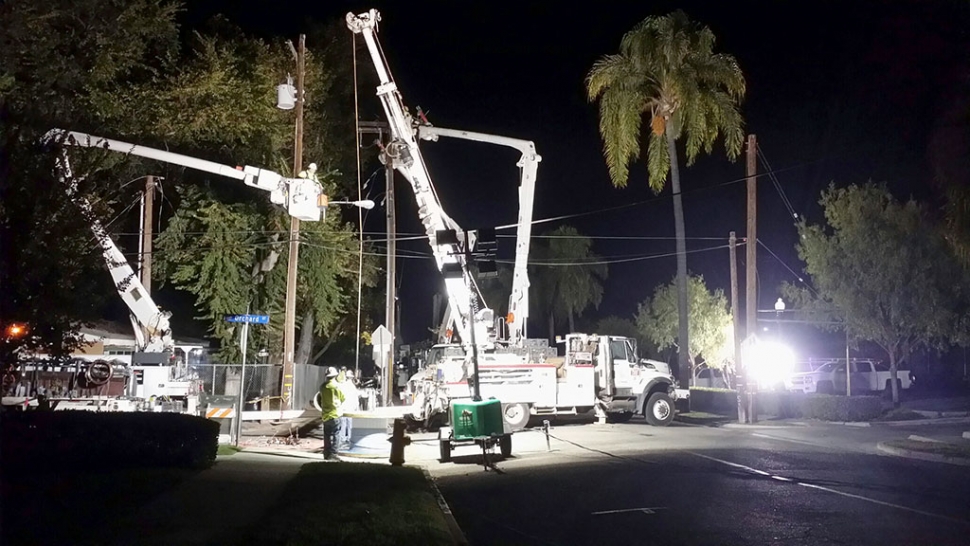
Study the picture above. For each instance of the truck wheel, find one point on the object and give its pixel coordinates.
(516, 415)
(825, 387)
(505, 446)
(659, 410)
(444, 451)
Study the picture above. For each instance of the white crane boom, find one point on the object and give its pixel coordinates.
(518, 315)
(406, 158)
(152, 328)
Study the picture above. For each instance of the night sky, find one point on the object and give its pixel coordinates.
(835, 94)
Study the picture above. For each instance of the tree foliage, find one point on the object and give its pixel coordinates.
(118, 69)
(711, 332)
(886, 268)
(62, 64)
(567, 277)
(667, 70)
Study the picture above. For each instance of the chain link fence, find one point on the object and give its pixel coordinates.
(262, 389)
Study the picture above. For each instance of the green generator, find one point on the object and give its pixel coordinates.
(472, 420)
(477, 422)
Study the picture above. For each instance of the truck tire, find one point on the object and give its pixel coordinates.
(825, 387)
(659, 409)
(516, 416)
(444, 451)
(505, 446)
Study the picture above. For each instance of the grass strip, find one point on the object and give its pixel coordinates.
(947, 450)
(354, 504)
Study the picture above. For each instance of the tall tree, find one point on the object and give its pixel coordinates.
(710, 323)
(667, 70)
(568, 277)
(887, 269)
(63, 64)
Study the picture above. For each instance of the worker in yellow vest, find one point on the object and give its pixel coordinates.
(331, 400)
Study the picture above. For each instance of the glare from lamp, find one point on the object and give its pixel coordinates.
(769, 362)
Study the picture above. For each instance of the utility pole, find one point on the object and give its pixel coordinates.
(289, 322)
(751, 268)
(736, 321)
(147, 210)
(390, 304)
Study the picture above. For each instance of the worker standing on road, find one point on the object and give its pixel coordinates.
(331, 400)
(351, 405)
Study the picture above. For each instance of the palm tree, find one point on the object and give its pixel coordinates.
(568, 277)
(667, 69)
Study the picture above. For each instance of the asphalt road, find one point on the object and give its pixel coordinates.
(636, 484)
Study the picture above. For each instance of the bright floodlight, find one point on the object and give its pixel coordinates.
(769, 362)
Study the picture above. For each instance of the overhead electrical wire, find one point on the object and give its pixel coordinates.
(790, 270)
(777, 184)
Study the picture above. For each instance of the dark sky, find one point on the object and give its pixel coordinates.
(837, 92)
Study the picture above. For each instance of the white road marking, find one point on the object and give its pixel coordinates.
(830, 490)
(625, 510)
(783, 439)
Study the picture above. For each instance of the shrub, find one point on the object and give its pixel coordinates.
(840, 408)
(720, 401)
(85, 440)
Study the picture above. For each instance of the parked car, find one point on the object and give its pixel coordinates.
(866, 376)
(710, 378)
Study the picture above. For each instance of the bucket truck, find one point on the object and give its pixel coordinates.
(154, 374)
(607, 377)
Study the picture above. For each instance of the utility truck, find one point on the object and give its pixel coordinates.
(524, 374)
(153, 379)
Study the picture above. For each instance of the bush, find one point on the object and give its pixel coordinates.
(721, 401)
(85, 440)
(840, 408)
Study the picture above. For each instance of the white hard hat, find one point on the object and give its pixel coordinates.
(350, 374)
(331, 372)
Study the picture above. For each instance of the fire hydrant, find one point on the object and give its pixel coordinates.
(398, 440)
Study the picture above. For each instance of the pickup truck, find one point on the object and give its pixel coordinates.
(829, 378)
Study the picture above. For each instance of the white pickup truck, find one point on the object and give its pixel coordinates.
(829, 378)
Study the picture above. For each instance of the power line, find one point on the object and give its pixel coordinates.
(623, 260)
(792, 271)
(777, 184)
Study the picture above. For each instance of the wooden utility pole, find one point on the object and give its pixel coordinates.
(736, 321)
(390, 303)
(292, 263)
(148, 207)
(751, 268)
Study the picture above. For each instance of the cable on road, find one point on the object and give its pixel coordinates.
(601, 452)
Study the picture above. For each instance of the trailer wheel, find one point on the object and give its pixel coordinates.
(659, 410)
(505, 446)
(516, 415)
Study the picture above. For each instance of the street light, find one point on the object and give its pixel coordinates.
(363, 203)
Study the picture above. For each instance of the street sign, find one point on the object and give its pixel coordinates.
(381, 336)
(248, 319)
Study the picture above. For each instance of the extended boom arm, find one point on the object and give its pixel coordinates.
(518, 315)
(153, 331)
(403, 153)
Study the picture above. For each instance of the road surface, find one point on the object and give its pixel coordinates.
(637, 484)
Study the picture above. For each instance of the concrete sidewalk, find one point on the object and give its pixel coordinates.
(217, 506)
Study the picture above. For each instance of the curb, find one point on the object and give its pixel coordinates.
(741, 426)
(457, 536)
(937, 414)
(938, 421)
(283, 453)
(909, 454)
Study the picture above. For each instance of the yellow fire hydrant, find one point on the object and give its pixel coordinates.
(398, 440)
